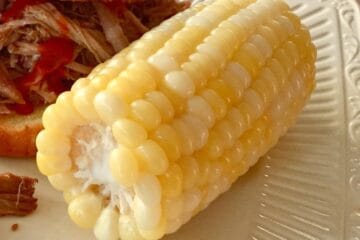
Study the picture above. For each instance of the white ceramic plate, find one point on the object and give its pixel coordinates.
(308, 187)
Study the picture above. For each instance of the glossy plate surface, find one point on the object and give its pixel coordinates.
(307, 187)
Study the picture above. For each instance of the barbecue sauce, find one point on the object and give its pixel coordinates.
(17, 8)
(55, 53)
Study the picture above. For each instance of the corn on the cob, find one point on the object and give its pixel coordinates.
(155, 134)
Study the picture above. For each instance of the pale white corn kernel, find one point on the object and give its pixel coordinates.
(145, 113)
(152, 157)
(168, 139)
(180, 83)
(85, 209)
(216, 102)
(156, 232)
(190, 169)
(63, 181)
(83, 102)
(200, 131)
(213, 148)
(53, 164)
(214, 52)
(162, 103)
(82, 82)
(201, 109)
(204, 172)
(124, 166)
(146, 217)
(198, 77)
(53, 142)
(148, 190)
(239, 72)
(192, 199)
(128, 229)
(226, 132)
(110, 107)
(129, 133)
(185, 136)
(106, 225)
(172, 181)
(253, 99)
(51, 117)
(71, 193)
(64, 103)
(262, 45)
(173, 207)
(216, 171)
(164, 63)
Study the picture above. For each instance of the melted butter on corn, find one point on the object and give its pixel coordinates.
(159, 131)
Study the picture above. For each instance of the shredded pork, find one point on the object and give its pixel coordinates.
(16, 195)
(98, 30)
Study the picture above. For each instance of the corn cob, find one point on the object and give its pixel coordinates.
(155, 134)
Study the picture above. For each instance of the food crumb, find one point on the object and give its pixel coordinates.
(14, 227)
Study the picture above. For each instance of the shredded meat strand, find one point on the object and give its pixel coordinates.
(7, 87)
(50, 17)
(16, 195)
(111, 26)
(97, 29)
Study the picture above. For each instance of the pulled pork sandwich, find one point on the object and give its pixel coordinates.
(46, 45)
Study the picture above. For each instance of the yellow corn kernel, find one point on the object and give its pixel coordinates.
(146, 114)
(156, 232)
(128, 229)
(172, 181)
(148, 190)
(71, 193)
(110, 107)
(85, 209)
(192, 70)
(216, 102)
(73, 118)
(178, 103)
(142, 75)
(124, 89)
(192, 199)
(213, 148)
(226, 133)
(83, 102)
(162, 103)
(106, 225)
(63, 181)
(129, 133)
(190, 170)
(52, 142)
(172, 207)
(200, 132)
(185, 136)
(124, 166)
(146, 217)
(51, 120)
(204, 171)
(104, 76)
(214, 53)
(167, 138)
(200, 108)
(180, 83)
(152, 157)
(82, 82)
(53, 164)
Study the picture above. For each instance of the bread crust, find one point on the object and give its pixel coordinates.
(18, 134)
